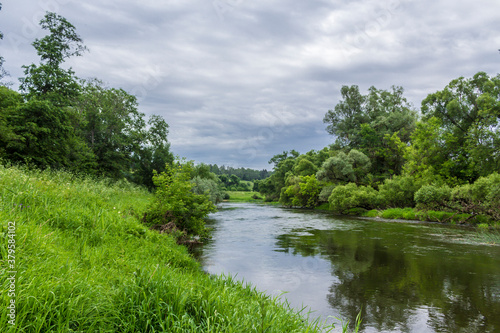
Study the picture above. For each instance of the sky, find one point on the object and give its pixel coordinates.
(239, 81)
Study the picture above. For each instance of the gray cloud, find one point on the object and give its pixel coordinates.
(239, 81)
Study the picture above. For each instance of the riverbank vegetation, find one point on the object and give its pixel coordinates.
(91, 247)
(439, 164)
(86, 262)
(86, 257)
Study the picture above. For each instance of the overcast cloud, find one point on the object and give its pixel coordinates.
(239, 81)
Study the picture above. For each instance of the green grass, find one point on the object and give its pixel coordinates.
(427, 215)
(85, 263)
(244, 196)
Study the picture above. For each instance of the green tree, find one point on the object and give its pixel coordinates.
(428, 157)
(114, 130)
(153, 152)
(49, 80)
(363, 121)
(283, 164)
(9, 101)
(344, 168)
(469, 111)
(304, 166)
(306, 192)
(176, 202)
(45, 136)
(350, 196)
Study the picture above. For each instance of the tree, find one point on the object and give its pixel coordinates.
(304, 166)
(45, 136)
(469, 112)
(344, 168)
(176, 202)
(429, 158)
(363, 121)
(48, 80)
(303, 191)
(9, 101)
(153, 153)
(114, 130)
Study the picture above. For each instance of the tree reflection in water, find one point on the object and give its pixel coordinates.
(396, 273)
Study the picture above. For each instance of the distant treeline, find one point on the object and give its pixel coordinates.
(241, 173)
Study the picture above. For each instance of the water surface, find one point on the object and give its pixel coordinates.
(404, 277)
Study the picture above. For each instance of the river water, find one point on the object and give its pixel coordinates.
(402, 276)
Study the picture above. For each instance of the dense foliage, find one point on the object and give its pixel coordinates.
(62, 122)
(384, 156)
(85, 263)
(176, 203)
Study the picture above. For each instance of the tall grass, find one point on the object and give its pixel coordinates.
(85, 263)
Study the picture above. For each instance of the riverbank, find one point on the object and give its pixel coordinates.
(490, 231)
(80, 260)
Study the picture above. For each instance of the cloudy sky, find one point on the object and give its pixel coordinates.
(239, 81)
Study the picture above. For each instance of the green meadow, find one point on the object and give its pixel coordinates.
(84, 262)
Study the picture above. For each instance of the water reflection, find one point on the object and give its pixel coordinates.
(404, 277)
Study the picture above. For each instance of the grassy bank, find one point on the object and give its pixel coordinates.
(244, 196)
(85, 263)
(429, 216)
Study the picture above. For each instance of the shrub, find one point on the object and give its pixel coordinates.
(176, 202)
(482, 197)
(399, 213)
(303, 193)
(432, 197)
(398, 192)
(346, 197)
(371, 213)
(208, 187)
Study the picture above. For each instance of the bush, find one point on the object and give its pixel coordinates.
(398, 192)
(371, 213)
(303, 193)
(176, 202)
(346, 197)
(432, 197)
(438, 216)
(482, 197)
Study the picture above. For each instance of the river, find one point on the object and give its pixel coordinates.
(402, 276)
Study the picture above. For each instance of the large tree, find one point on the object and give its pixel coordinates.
(112, 127)
(49, 80)
(368, 122)
(153, 154)
(469, 113)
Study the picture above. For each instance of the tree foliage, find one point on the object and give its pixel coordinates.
(371, 123)
(49, 80)
(469, 114)
(303, 191)
(343, 168)
(175, 202)
(350, 196)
